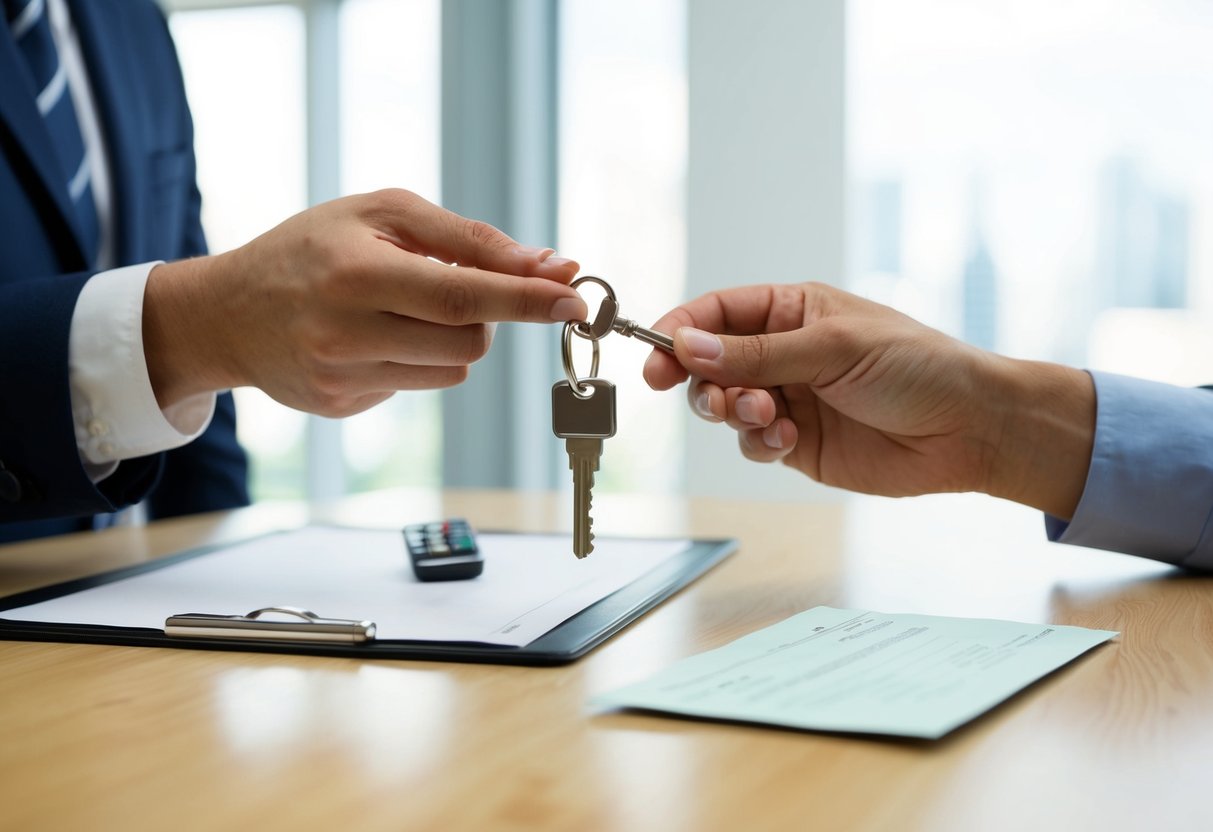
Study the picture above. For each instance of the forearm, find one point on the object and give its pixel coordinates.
(1044, 422)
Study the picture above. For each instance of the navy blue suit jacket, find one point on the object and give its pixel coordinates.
(140, 97)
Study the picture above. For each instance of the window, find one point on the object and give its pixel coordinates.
(390, 117)
(1030, 176)
(250, 111)
(622, 97)
(622, 176)
(249, 117)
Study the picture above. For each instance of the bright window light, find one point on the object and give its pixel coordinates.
(623, 157)
(1021, 170)
(244, 76)
(390, 130)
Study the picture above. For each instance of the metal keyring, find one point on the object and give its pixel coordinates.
(582, 328)
(566, 357)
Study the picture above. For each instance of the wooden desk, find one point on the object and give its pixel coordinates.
(98, 738)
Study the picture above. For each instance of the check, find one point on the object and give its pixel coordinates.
(862, 671)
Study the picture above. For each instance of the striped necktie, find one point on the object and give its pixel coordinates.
(30, 28)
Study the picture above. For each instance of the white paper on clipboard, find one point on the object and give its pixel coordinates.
(530, 584)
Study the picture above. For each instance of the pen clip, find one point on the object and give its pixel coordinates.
(307, 626)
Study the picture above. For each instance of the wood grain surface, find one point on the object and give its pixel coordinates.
(100, 738)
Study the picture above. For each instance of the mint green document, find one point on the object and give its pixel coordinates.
(862, 671)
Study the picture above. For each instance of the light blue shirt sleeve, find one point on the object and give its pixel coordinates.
(1149, 490)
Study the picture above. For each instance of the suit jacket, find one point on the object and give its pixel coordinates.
(140, 97)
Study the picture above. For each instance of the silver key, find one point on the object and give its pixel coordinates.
(583, 423)
(608, 319)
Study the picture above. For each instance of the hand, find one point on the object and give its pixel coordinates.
(857, 395)
(344, 304)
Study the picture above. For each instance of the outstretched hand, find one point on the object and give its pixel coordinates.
(857, 395)
(345, 303)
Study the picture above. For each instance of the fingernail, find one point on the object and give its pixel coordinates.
(747, 408)
(703, 345)
(569, 309)
(703, 406)
(556, 261)
(540, 254)
(772, 437)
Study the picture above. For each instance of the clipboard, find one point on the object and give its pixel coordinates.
(300, 631)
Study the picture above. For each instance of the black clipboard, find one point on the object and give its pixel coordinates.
(569, 640)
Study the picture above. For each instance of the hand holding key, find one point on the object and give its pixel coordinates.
(344, 304)
(857, 395)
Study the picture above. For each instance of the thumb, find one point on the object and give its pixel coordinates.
(762, 360)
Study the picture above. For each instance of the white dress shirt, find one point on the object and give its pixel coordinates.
(113, 404)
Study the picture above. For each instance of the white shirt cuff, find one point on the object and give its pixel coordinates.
(113, 404)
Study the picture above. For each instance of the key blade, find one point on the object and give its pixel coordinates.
(583, 459)
(583, 520)
(583, 448)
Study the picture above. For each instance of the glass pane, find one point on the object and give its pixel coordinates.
(390, 128)
(244, 76)
(1029, 176)
(623, 156)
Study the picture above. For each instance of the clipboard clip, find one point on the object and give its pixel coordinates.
(307, 626)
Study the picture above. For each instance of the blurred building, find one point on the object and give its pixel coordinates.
(879, 227)
(979, 281)
(1142, 240)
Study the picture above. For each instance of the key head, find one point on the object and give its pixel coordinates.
(591, 418)
(604, 321)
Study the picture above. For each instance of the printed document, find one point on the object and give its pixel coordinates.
(862, 671)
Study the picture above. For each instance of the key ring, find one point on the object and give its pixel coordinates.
(566, 357)
(582, 328)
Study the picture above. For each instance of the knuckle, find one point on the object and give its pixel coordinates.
(755, 355)
(340, 273)
(527, 304)
(480, 232)
(327, 345)
(838, 334)
(330, 388)
(394, 200)
(457, 301)
(476, 343)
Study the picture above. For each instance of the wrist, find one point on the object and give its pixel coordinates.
(182, 331)
(1045, 432)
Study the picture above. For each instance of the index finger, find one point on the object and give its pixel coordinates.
(418, 287)
(420, 226)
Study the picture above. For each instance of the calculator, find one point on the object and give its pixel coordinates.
(445, 550)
